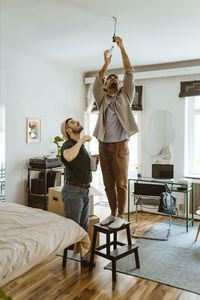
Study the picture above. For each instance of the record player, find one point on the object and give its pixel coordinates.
(45, 162)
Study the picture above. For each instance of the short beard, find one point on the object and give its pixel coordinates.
(113, 86)
(77, 130)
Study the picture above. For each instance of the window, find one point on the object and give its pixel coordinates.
(93, 147)
(192, 141)
(134, 148)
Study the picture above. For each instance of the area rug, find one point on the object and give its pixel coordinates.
(175, 262)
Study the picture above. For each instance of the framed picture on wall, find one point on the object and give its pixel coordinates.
(33, 131)
(137, 101)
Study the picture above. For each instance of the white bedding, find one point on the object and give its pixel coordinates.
(29, 235)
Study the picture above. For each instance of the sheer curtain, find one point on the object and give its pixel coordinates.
(192, 141)
(90, 99)
(2, 152)
(93, 148)
(2, 134)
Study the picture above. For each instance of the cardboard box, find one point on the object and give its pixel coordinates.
(55, 203)
(93, 192)
(93, 220)
(91, 206)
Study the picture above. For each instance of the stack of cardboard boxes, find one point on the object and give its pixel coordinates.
(55, 205)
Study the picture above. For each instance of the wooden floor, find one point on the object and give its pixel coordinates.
(49, 281)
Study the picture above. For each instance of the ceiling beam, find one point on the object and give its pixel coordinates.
(156, 70)
(144, 68)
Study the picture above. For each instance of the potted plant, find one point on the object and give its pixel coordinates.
(139, 170)
(59, 142)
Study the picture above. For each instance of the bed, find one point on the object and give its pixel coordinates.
(29, 235)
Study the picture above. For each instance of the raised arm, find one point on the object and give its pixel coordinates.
(98, 90)
(107, 61)
(71, 153)
(125, 59)
(128, 83)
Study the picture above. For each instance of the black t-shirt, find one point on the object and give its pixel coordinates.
(77, 170)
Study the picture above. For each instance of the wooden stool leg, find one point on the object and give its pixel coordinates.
(114, 270)
(128, 234)
(115, 240)
(93, 249)
(137, 262)
(197, 233)
(107, 243)
(64, 261)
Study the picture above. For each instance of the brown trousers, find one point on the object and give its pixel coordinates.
(114, 159)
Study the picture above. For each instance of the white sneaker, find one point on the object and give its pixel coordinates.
(108, 220)
(117, 224)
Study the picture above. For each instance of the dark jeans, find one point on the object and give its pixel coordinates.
(76, 204)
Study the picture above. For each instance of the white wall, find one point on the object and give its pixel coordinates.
(162, 94)
(38, 88)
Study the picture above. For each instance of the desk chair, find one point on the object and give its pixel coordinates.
(148, 194)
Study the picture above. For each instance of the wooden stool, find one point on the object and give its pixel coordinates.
(64, 261)
(117, 253)
(198, 213)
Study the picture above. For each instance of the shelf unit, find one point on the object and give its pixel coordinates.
(40, 200)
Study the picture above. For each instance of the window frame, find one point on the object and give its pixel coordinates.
(190, 161)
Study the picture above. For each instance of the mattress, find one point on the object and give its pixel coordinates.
(29, 235)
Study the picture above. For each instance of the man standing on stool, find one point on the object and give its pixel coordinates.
(75, 192)
(114, 126)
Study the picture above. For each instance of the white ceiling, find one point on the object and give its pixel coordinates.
(77, 32)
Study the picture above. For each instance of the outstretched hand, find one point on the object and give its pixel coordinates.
(106, 58)
(119, 42)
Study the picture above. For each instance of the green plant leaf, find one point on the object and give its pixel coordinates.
(58, 139)
(59, 142)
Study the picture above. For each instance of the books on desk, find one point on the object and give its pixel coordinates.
(184, 180)
(182, 187)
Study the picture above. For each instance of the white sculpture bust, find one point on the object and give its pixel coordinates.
(164, 156)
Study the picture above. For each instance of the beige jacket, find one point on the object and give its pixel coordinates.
(123, 104)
